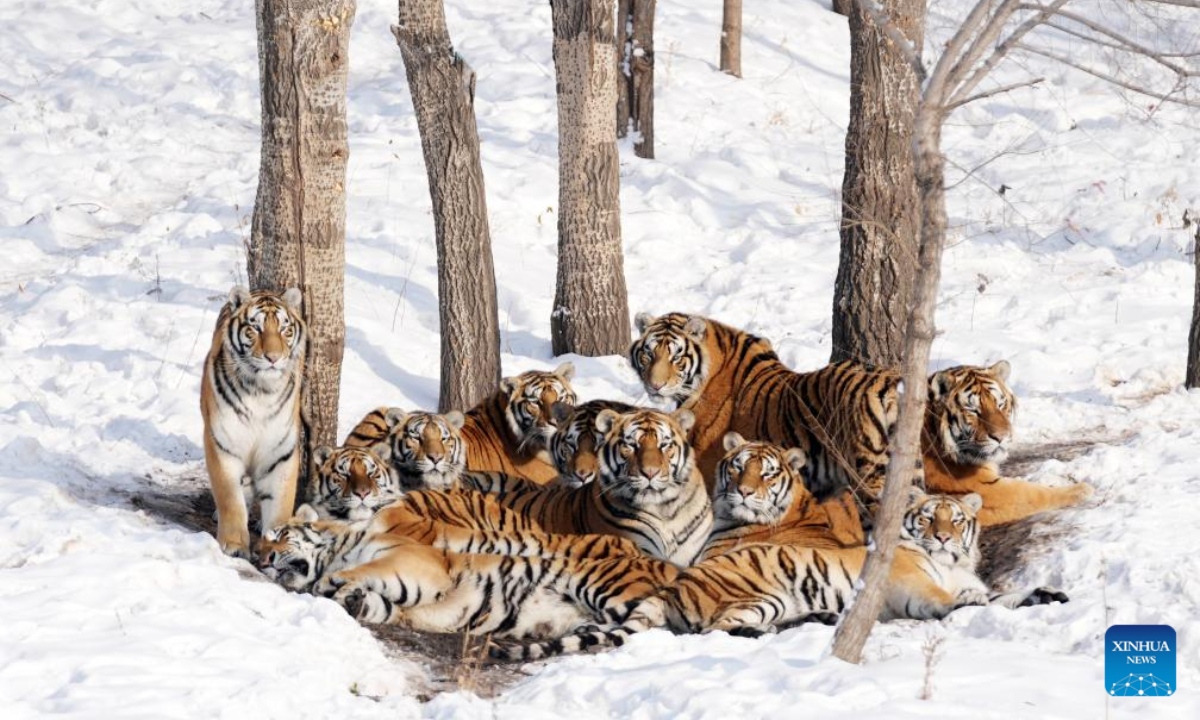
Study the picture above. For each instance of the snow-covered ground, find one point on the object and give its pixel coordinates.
(128, 158)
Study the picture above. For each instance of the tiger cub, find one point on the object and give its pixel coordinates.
(353, 482)
(426, 449)
(508, 431)
(250, 401)
(757, 588)
(575, 446)
(648, 489)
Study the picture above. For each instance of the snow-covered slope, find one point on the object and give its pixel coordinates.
(128, 158)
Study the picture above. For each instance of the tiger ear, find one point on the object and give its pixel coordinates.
(1000, 370)
(916, 495)
(455, 419)
(561, 412)
(973, 501)
(293, 297)
(305, 513)
(383, 453)
(566, 371)
(321, 454)
(642, 321)
(238, 296)
(508, 386)
(685, 418)
(939, 385)
(696, 327)
(732, 440)
(394, 417)
(795, 458)
(605, 420)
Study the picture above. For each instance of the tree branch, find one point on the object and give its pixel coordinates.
(941, 71)
(1122, 42)
(996, 91)
(1111, 78)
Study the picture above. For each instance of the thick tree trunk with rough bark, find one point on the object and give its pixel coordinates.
(635, 64)
(443, 93)
(591, 309)
(842, 7)
(905, 444)
(879, 198)
(731, 38)
(1193, 364)
(299, 226)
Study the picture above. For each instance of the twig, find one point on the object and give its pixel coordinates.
(1109, 78)
(997, 91)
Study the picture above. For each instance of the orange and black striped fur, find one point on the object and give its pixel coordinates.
(250, 401)
(648, 489)
(968, 425)
(353, 482)
(575, 447)
(426, 450)
(509, 430)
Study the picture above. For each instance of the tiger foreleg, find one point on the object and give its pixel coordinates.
(405, 575)
(1026, 598)
(225, 473)
(276, 488)
(1010, 499)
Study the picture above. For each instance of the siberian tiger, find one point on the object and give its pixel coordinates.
(250, 401)
(760, 496)
(508, 431)
(648, 489)
(426, 449)
(842, 415)
(353, 482)
(575, 447)
(757, 588)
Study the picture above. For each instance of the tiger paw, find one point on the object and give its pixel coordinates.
(352, 598)
(1080, 492)
(825, 618)
(970, 596)
(329, 584)
(236, 549)
(1044, 596)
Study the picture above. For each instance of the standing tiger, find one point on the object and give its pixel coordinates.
(508, 431)
(250, 401)
(841, 415)
(648, 489)
(426, 449)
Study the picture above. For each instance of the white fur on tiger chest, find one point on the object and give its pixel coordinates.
(263, 432)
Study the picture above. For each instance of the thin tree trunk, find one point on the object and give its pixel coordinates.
(878, 262)
(842, 7)
(443, 93)
(731, 38)
(1193, 364)
(905, 444)
(635, 61)
(298, 232)
(591, 309)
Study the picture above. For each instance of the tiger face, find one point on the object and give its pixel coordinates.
(944, 526)
(669, 356)
(971, 411)
(427, 449)
(530, 407)
(575, 446)
(756, 482)
(291, 554)
(265, 334)
(353, 482)
(645, 459)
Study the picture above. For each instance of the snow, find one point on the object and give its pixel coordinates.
(129, 142)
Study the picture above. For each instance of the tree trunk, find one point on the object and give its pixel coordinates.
(878, 262)
(731, 38)
(443, 92)
(842, 7)
(635, 59)
(1193, 364)
(591, 309)
(298, 233)
(905, 445)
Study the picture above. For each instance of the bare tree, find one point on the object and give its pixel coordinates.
(1192, 379)
(842, 7)
(591, 308)
(731, 38)
(443, 92)
(298, 232)
(878, 261)
(635, 62)
(991, 31)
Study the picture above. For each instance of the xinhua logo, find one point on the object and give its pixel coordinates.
(1139, 660)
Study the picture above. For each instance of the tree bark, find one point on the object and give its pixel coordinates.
(731, 38)
(591, 309)
(299, 225)
(1193, 363)
(635, 61)
(842, 7)
(905, 444)
(443, 93)
(878, 261)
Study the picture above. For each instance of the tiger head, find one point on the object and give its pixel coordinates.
(353, 482)
(645, 459)
(296, 553)
(427, 449)
(265, 334)
(670, 356)
(944, 526)
(575, 445)
(756, 482)
(970, 413)
(529, 403)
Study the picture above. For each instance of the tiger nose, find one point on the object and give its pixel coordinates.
(651, 472)
(943, 537)
(362, 492)
(655, 384)
(267, 560)
(746, 491)
(435, 457)
(273, 356)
